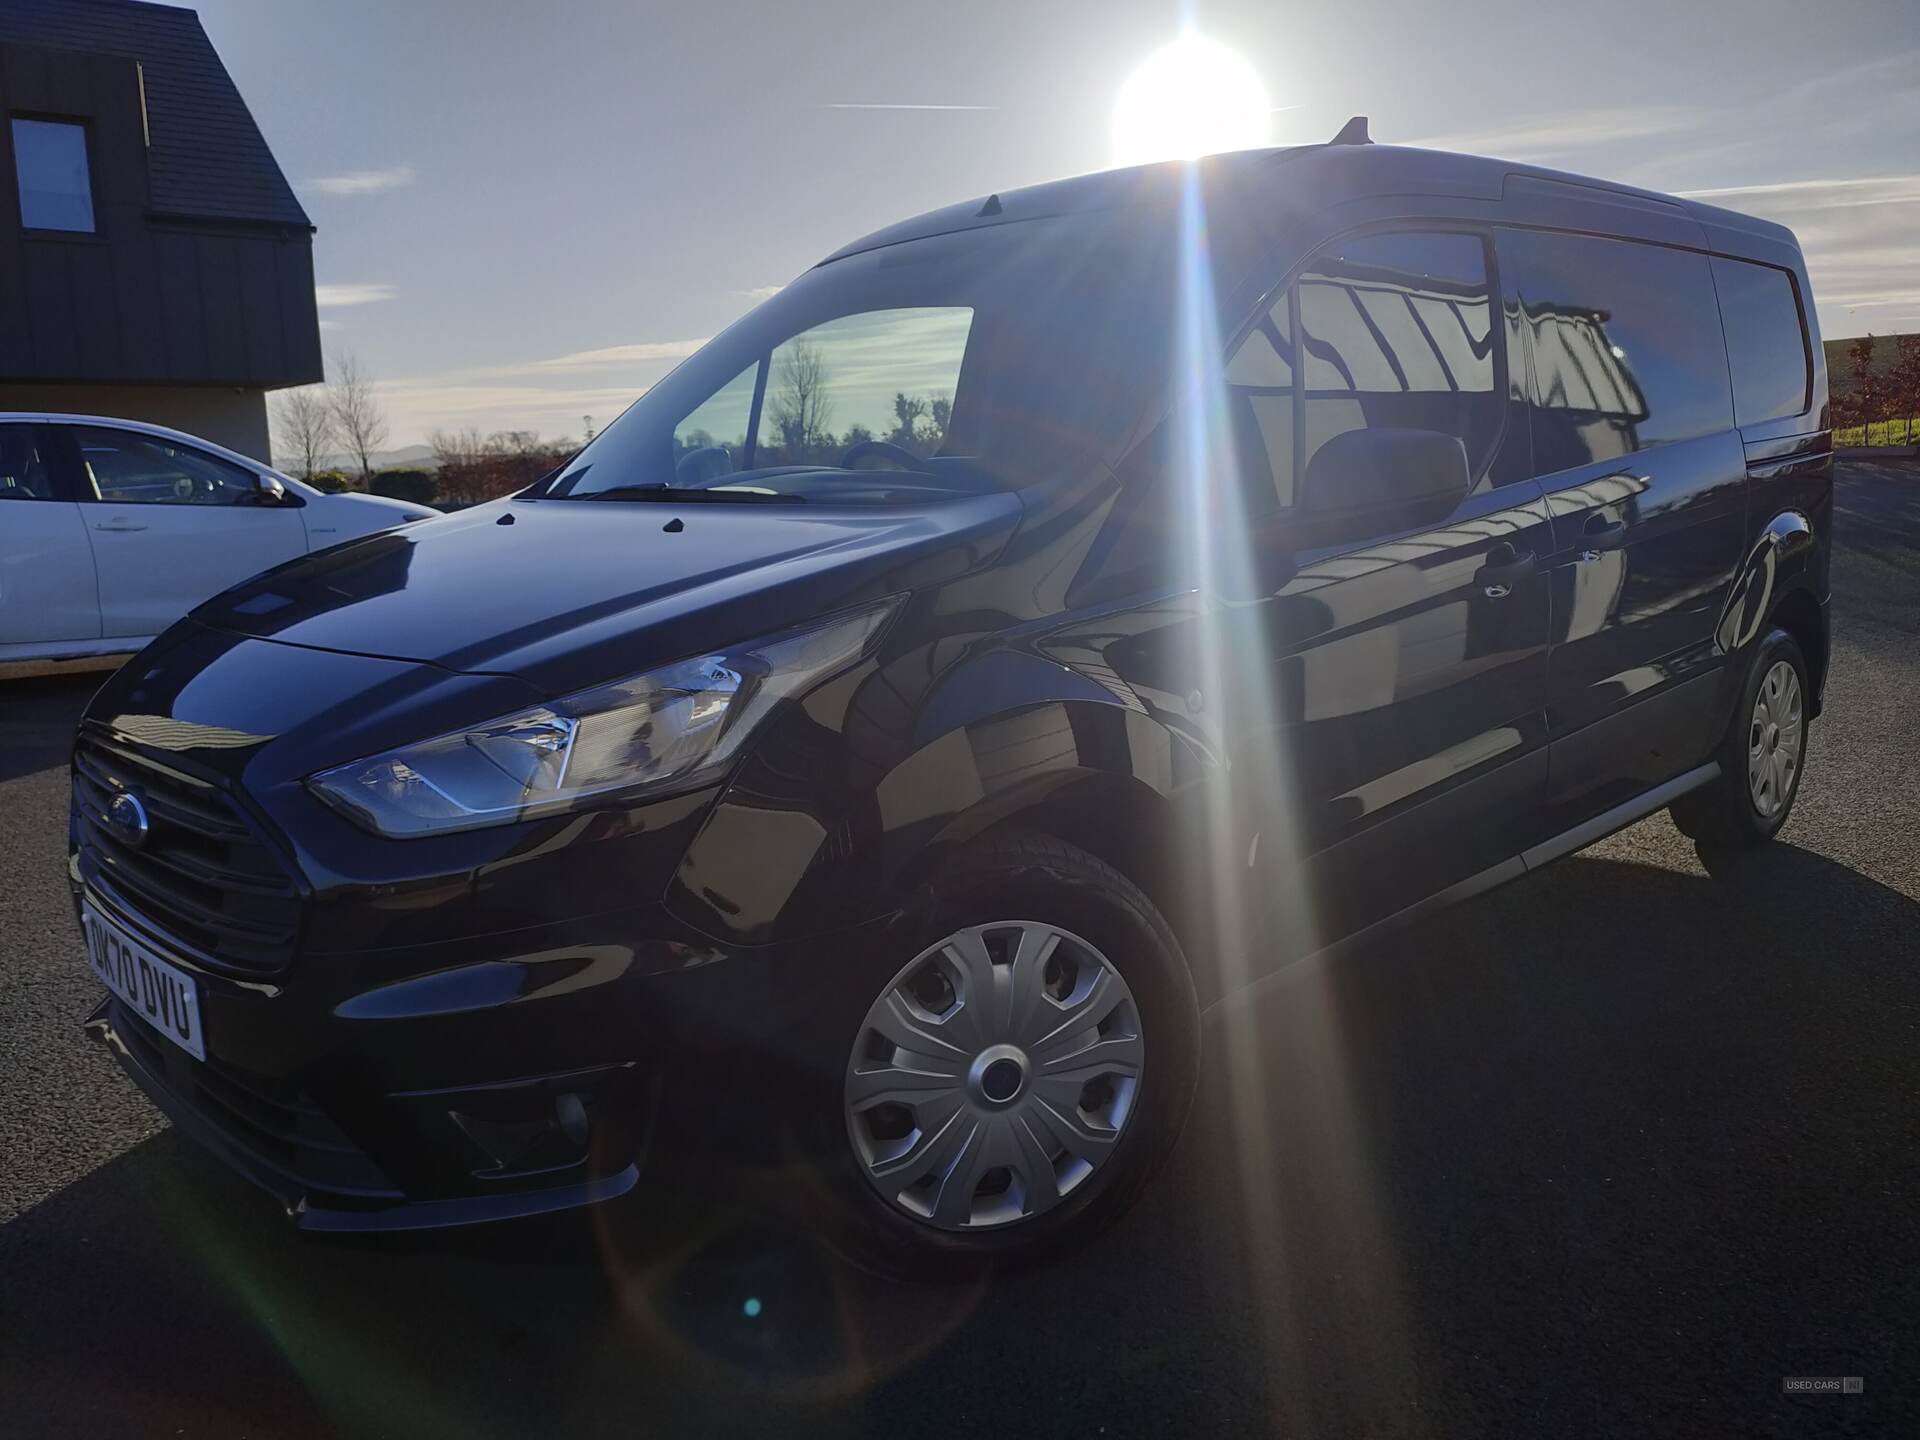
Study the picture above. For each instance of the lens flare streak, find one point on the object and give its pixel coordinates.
(1249, 866)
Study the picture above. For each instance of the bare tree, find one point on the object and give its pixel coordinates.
(357, 411)
(461, 455)
(800, 410)
(474, 467)
(451, 447)
(303, 419)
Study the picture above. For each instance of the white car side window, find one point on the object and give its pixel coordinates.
(125, 468)
(24, 472)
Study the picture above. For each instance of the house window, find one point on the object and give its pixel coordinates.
(56, 192)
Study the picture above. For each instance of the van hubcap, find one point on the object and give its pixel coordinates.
(993, 1075)
(1774, 739)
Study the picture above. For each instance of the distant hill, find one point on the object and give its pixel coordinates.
(418, 457)
(1884, 354)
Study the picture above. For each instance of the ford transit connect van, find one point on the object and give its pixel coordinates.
(1043, 618)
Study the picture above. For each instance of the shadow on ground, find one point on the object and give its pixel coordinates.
(37, 721)
(1618, 1146)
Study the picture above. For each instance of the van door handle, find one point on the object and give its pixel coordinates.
(1505, 568)
(1600, 533)
(117, 527)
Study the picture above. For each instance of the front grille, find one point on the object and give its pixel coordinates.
(202, 876)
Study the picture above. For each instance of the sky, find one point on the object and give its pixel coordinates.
(527, 212)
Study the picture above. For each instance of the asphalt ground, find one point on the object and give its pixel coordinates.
(1613, 1150)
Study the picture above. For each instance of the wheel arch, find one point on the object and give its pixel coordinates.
(1779, 583)
(1099, 774)
(1805, 618)
(1118, 819)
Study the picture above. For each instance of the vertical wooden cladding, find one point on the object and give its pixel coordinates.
(146, 298)
(20, 84)
(181, 305)
(299, 312)
(257, 284)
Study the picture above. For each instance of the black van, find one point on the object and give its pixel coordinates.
(872, 753)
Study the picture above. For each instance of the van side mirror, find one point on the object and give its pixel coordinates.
(1388, 476)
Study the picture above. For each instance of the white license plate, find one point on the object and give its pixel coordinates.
(160, 993)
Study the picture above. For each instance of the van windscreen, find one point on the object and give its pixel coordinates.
(985, 359)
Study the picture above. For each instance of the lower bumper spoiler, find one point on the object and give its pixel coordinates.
(310, 1209)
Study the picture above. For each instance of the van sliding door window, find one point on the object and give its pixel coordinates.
(1627, 349)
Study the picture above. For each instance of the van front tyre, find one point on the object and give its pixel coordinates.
(1762, 755)
(1019, 1059)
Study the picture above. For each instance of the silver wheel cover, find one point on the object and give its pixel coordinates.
(993, 1075)
(1775, 736)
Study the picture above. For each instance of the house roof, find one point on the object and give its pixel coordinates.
(208, 157)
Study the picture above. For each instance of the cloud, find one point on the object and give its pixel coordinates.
(416, 408)
(1861, 190)
(330, 295)
(364, 182)
(549, 395)
(1564, 133)
(865, 105)
(611, 355)
(1856, 232)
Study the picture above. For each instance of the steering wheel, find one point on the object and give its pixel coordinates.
(902, 457)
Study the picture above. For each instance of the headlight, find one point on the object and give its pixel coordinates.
(671, 728)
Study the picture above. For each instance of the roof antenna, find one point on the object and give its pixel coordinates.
(992, 207)
(1354, 132)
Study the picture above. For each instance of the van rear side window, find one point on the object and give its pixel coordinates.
(1766, 341)
(1627, 348)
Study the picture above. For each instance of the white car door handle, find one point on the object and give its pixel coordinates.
(117, 527)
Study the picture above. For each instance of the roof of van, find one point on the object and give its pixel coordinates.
(1324, 174)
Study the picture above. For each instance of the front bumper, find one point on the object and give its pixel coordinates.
(542, 1074)
(291, 1148)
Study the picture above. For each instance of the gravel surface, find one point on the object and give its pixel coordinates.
(63, 1107)
(1614, 1149)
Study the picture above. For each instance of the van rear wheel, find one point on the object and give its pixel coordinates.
(1761, 757)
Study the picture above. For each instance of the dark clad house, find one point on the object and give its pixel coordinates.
(154, 263)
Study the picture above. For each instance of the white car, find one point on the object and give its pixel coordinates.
(111, 530)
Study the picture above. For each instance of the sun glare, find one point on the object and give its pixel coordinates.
(1193, 97)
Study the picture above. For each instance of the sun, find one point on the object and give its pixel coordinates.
(1193, 97)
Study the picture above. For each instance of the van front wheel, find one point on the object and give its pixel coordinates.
(1019, 1067)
